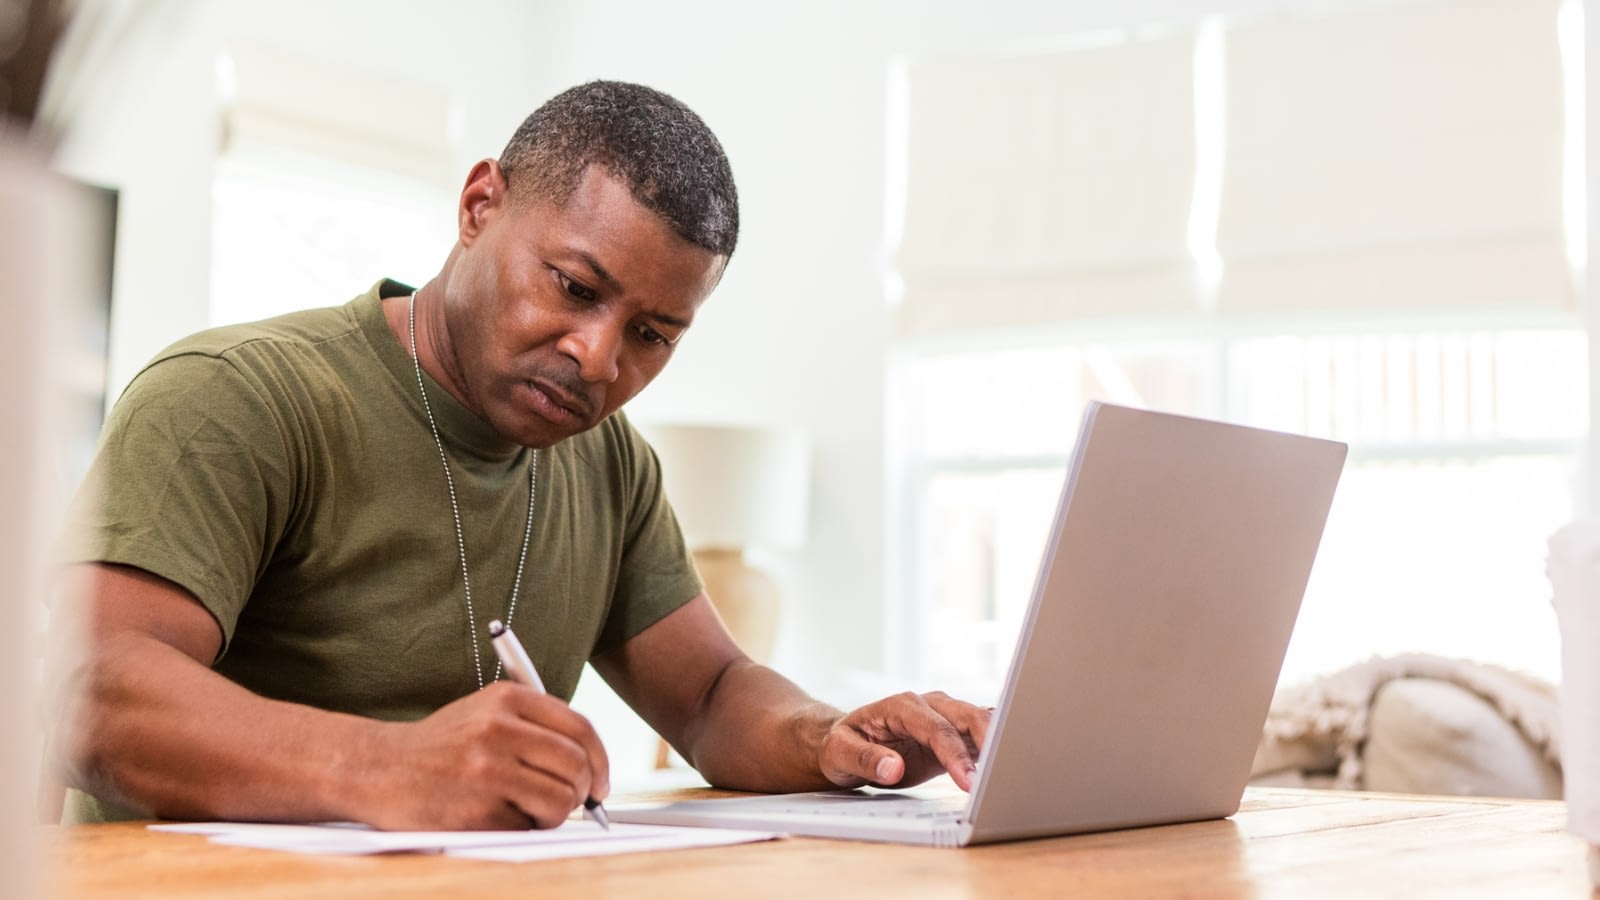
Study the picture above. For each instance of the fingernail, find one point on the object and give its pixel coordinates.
(885, 770)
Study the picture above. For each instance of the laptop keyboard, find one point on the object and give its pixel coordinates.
(879, 806)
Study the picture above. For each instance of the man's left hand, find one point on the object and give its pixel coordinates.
(905, 740)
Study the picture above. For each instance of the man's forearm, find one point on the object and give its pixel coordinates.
(760, 732)
(149, 728)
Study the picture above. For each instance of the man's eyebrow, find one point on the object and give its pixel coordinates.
(599, 270)
(601, 273)
(674, 321)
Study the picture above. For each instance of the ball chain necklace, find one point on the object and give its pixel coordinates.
(455, 511)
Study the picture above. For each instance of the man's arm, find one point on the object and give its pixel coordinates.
(746, 727)
(149, 725)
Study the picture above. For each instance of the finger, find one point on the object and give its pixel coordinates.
(599, 762)
(882, 766)
(971, 721)
(940, 736)
(556, 757)
(530, 769)
(553, 713)
(597, 765)
(851, 759)
(950, 747)
(545, 800)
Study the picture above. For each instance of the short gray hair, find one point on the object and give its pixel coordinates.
(670, 161)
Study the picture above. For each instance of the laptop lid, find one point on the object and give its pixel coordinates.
(1160, 616)
(1163, 608)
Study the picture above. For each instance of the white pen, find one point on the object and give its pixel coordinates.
(519, 668)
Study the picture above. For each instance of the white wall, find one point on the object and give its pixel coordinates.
(149, 124)
(796, 334)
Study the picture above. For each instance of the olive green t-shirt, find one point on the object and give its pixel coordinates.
(284, 473)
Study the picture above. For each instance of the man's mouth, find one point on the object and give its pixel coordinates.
(557, 405)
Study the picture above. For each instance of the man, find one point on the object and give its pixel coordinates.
(296, 532)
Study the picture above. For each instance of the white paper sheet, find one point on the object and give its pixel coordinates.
(574, 838)
(623, 838)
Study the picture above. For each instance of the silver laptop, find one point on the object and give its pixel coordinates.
(1148, 656)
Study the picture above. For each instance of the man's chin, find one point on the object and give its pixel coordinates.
(536, 432)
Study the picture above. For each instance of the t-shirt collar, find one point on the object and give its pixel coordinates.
(460, 427)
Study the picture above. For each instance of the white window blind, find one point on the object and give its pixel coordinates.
(1048, 186)
(1407, 156)
(328, 178)
(341, 113)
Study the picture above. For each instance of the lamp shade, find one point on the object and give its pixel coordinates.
(735, 486)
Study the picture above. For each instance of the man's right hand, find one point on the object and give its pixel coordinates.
(507, 757)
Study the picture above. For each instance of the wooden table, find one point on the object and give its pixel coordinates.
(1282, 843)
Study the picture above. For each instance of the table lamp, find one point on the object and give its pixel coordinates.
(733, 488)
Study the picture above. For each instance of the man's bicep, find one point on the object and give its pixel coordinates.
(111, 601)
(194, 482)
(667, 672)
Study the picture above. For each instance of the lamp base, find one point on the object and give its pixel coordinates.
(745, 597)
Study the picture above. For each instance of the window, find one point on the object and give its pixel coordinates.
(329, 179)
(1332, 269)
(291, 231)
(1464, 455)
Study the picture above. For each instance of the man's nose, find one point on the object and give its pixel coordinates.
(595, 348)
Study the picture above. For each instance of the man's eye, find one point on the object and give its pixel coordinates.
(575, 289)
(651, 336)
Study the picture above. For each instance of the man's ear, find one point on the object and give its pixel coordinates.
(483, 194)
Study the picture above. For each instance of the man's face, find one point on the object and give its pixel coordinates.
(558, 315)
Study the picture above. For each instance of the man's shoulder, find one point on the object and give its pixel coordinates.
(335, 337)
(289, 360)
(303, 328)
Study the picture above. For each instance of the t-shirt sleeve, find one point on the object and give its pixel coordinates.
(657, 574)
(191, 482)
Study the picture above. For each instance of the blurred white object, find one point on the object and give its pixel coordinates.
(1574, 570)
(43, 258)
(734, 486)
